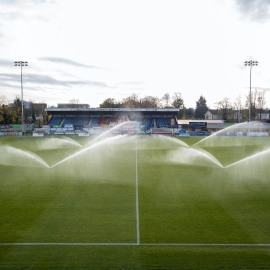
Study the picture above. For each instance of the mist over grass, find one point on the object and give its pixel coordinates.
(90, 197)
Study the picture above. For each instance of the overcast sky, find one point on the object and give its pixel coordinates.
(92, 50)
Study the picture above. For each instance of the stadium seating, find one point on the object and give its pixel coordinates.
(76, 121)
(147, 123)
(113, 119)
(95, 121)
(163, 121)
(125, 119)
(55, 121)
(103, 120)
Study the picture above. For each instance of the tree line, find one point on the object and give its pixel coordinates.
(13, 114)
(225, 107)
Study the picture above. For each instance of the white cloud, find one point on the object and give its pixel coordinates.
(149, 47)
(256, 10)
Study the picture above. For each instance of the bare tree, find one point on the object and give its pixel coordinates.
(261, 102)
(166, 98)
(253, 99)
(131, 102)
(238, 107)
(150, 102)
(74, 101)
(177, 100)
(225, 107)
(3, 100)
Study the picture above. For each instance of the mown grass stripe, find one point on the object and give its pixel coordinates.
(129, 244)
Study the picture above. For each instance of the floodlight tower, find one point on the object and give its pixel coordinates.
(21, 64)
(250, 63)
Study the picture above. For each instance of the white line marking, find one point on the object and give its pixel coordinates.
(129, 244)
(137, 200)
(183, 244)
(68, 244)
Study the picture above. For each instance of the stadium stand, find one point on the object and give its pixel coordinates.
(112, 119)
(147, 123)
(95, 121)
(103, 120)
(163, 121)
(55, 121)
(124, 119)
(76, 121)
(88, 118)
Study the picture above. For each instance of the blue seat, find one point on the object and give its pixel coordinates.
(55, 121)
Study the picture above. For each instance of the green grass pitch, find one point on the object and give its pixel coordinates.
(134, 202)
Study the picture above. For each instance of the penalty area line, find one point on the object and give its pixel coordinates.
(131, 244)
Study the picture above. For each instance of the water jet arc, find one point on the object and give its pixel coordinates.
(250, 157)
(27, 154)
(101, 135)
(215, 134)
(85, 149)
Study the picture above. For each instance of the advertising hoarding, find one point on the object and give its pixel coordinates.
(258, 134)
(200, 133)
(11, 133)
(198, 124)
(140, 131)
(231, 133)
(83, 134)
(38, 134)
(162, 132)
